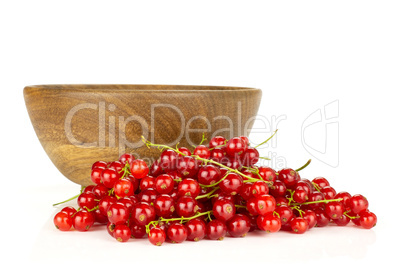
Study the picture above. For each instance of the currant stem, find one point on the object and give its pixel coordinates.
(181, 219)
(65, 201)
(322, 201)
(216, 183)
(266, 140)
(207, 195)
(304, 166)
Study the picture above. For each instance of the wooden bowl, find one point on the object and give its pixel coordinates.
(80, 124)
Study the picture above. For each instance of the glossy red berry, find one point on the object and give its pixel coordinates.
(232, 184)
(299, 225)
(123, 187)
(83, 220)
(87, 200)
(285, 214)
(117, 213)
(189, 187)
(334, 210)
(217, 141)
(142, 213)
(96, 175)
(320, 182)
(269, 223)
(196, 229)
(208, 174)
(187, 166)
(367, 219)
(157, 236)
(186, 206)
(288, 176)
(122, 233)
(358, 203)
(63, 221)
(216, 230)
(164, 206)
(259, 188)
(238, 225)
(164, 184)
(235, 146)
(223, 209)
(126, 158)
(250, 157)
(109, 177)
(202, 151)
(177, 233)
(267, 174)
(139, 168)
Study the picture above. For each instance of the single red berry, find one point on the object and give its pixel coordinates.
(100, 191)
(342, 220)
(156, 236)
(109, 177)
(110, 228)
(142, 213)
(164, 206)
(186, 206)
(238, 225)
(126, 158)
(177, 233)
(250, 157)
(299, 225)
(187, 166)
(83, 220)
(139, 168)
(96, 175)
(155, 169)
(285, 214)
(122, 233)
(117, 213)
(217, 141)
(269, 223)
(367, 219)
(223, 209)
(303, 185)
(118, 166)
(164, 184)
(259, 188)
(245, 139)
(189, 187)
(123, 187)
(320, 182)
(300, 196)
(316, 196)
(334, 210)
(245, 191)
(288, 176)
(169, 160)
(235, 146)
(278, 188)
(63, 221)
(216, 230)
(87, 200)
(208, 174)
(196, 229)
(232, 184)
(358, 203)
(267, 174)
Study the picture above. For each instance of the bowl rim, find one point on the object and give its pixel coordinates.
(139, 88)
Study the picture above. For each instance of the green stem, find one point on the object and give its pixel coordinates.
(322, 201)
(216, 183)
(266, 140)
(72, 198)
(304, 166)
(207, 195)
(181, 219)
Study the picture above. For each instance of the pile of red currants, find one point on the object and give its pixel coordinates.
(214, 191)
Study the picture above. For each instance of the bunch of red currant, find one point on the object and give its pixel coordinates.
(214, 191)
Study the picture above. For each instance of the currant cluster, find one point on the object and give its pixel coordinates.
(214, 191)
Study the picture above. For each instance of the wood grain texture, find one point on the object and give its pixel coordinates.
(80, 124)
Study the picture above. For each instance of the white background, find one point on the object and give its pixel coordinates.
(302, 54)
